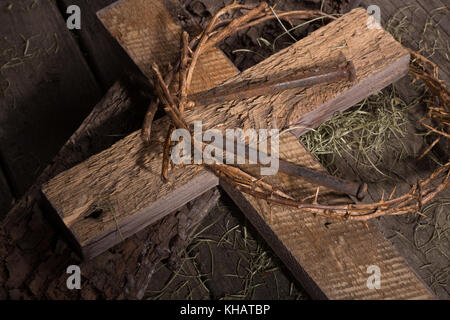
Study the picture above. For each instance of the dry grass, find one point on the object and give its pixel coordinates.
(257, 270)
(364, 133)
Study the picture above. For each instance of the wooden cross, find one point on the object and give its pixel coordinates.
(122, 184)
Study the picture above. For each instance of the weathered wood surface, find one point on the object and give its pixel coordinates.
(46, 88)
(106, 58)
(128, 174)
(33, 254)
(125, 271)
(144, 163)
(393, 289)
(329, 258)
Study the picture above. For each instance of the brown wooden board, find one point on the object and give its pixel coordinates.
(349, 251)
(104, 55)
(46, 88)
(185, 185)
(106, 58)
(127, 176)
(34, 256)
(330, 259)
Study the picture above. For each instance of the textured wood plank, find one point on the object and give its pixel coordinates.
(147, 161)
(378, 58)
(46, 88)
(147, 199)
(105, 56)
(329, 278)
(147, 33)
(330, 259)
(402, 231)
(146, 29)
(127, 176)
(33, 267)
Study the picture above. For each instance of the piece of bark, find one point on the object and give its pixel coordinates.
(112, 178)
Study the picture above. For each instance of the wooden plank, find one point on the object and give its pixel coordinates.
(33, 267)
(199, 179)
(329, 258)
(128, 174)
(144, 162)
(46, 88)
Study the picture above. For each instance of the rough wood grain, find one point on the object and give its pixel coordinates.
(6, 197)
(46, 88)
(126, 176)
(33, 253)
(330, 259)
(149, 198)
(34, 256)
(107, 60)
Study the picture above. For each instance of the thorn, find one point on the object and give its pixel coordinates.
(420, 194)
(367, 225)
(421, 214)
(317, 195)
(392, 193)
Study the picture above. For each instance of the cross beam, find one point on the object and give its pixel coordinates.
(120, 189)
